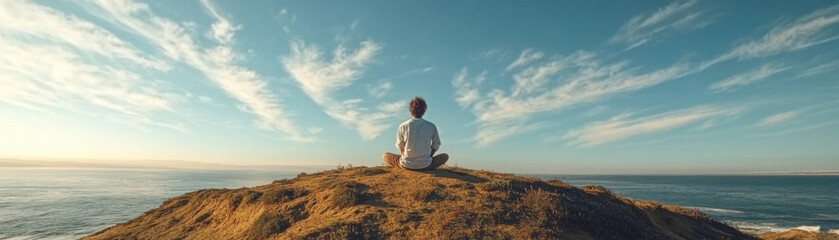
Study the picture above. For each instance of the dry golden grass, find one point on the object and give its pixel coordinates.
(388, 203)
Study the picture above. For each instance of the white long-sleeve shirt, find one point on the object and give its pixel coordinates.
(418, 137)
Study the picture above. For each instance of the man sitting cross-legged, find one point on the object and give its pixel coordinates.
(417, 140)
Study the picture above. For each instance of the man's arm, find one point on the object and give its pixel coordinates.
(400, 140)
(435, 142)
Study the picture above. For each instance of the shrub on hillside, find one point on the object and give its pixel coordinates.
(597, 190)
(236, 200)
(268, 224)
(367, 228)
(173, 205)
(559, 183)
(253, 196)
(498, 185)
(345, 196)
(539, 208)
(282, 195)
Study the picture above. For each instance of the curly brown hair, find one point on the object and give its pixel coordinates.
(418, 107)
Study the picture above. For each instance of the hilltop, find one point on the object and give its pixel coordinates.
(388, 203)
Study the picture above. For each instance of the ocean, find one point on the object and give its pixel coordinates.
(55, 203)
(44, 203)
(752, 203)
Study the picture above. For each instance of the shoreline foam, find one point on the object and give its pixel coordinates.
(763, 228)
(716, 210)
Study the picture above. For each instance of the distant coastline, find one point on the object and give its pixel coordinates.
(181, 164)
(823, 172)
(151, 164)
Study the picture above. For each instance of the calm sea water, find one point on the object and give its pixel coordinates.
(751, 203)
(71, 203)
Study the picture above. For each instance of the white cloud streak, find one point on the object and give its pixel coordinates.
(778, 118)
(644, 28)
(320, 79)
(525, 57)
(411, 73)
(534, 78)
(55, 60)
(218, 64)
(380, 90)
(820, 69)
(496, 54)
(756, 75)
(807, 31)
(537, 87)
(222, 30)
(586, 80)
(25, 79)
(26, 19)
(368, 123)
(583, 77)
(466, 90)
(621, 126)
(491, 133)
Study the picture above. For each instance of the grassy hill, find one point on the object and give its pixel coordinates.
(387, 203)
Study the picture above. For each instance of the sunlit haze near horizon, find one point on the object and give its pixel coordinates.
(536, 87)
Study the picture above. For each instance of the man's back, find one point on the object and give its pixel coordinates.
(418, 138)
(417, 141)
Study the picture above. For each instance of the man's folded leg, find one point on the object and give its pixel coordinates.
(438, 161)
(391, 159)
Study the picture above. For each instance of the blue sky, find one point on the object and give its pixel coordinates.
(543, 87)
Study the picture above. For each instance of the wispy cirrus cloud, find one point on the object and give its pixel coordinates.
(69, 78)
(584, 79)
(623, 126)
(646, 27)
(813, 29)
(384, 86)
(205, 99)
(534, 78)
(369, 123)
(222, 30)
(753, 76)
(218, 63)
(497, 54)
(380, 90)
(778, 118)
(27, 19)
(320, 78)
(526, 56)
(819, 69)
(465, 89)
(56, 60)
